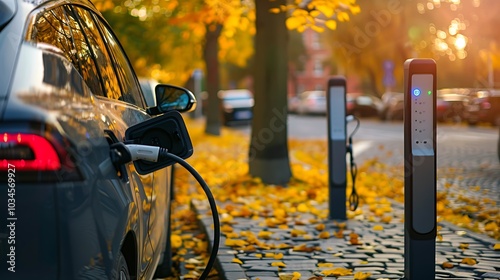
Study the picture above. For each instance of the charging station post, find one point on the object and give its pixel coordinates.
(337, 166)
(420, 168)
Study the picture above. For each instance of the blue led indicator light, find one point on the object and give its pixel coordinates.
(416, 92)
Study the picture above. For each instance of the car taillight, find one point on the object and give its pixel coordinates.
(27, 152)
(485, 105)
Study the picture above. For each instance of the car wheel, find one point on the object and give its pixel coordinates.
(123, 273)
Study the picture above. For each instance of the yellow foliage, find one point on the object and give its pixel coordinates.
(297, 232)
(447, 265)
(320, 227)
(469, 261)
(275, 10)
(236, 260)
(343, 16)
(331, 24)
(287, 276)
(265, 234)
(269, 255)
(235, 242)
(295, 22)
(278, 264)
(226, 228)
(362, 275)
(327, 10)
(303, 208)
(176, 241)
(339, 271)
(378, 227)
(280, 213)
(491, 226)
(324, 235)
(496, 247)
(278, 256)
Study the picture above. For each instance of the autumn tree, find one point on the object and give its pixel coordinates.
(459, 35)
(170, 39)
(268, 152)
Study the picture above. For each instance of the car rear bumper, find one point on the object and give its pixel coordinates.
(29, 247)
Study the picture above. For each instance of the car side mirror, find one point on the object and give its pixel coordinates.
(169, 97)
(166, 131)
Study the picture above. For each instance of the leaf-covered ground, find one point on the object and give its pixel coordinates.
(222, 162)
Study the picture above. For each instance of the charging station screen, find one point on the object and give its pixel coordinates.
(422, 115)
(336, 109)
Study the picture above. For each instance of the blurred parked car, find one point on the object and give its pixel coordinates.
(363, 105)
(68, 94)
(450, 104)
(483, 106)
(237, 106)
(308, 102)
(392, 105)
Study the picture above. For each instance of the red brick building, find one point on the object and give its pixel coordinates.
(315, 72)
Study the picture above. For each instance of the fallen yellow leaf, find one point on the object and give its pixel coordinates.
(378, 228)
(469, 261)
(324, 235)
(176, 241)
(278, 256)
(278, 264)
(320, 227)
(265, 234)
(339, 271)
(447, 265)
(362, 275)
(236, 260)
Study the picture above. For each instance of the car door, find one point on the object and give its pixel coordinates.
(125, 107)
(106, 205)
(157, 204)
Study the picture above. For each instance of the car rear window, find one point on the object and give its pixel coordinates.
(7, 11)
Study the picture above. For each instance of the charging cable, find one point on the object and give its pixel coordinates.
(124, 153)
(354, 197)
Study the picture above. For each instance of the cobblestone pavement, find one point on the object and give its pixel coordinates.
(379, 252)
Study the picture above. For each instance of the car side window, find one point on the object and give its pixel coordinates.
(100, 53)
(59, 28)
(131, 89)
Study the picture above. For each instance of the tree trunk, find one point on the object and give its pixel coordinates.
(211, 51)
(268, 153)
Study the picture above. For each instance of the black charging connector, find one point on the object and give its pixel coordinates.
(354, 197)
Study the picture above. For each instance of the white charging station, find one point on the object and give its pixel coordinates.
(337, 167)
(420, 168)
